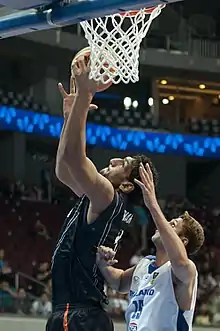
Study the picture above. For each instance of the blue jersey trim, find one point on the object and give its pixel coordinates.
(182, 324)
(150, 257)
(152, 268)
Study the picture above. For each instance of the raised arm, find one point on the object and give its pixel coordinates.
(72, 148)
(117, 279)
(182, 267)
(61, 170)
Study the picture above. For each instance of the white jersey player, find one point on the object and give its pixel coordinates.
(153, 304)
(162, 289)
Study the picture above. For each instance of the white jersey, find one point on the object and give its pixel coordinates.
(153, 305)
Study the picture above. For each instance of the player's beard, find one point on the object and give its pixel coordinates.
(104, 172)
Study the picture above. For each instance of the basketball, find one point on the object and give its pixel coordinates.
(86, 52)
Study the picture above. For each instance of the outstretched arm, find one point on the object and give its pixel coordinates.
(117, 279)
(182, 267)
(62, 170)
(72, 148)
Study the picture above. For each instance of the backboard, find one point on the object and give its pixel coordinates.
(22, 16)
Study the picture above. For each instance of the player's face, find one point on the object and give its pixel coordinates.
(175, 223)
(118, 170)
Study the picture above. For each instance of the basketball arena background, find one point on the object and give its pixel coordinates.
(172, 114)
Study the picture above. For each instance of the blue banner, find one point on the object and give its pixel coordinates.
(107, 137)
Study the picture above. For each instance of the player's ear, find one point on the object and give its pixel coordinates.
(126, 187)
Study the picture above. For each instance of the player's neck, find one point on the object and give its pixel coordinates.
(161, 258)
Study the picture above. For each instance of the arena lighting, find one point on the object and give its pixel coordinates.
(135, 104)
(150, 101)
(202, 86)
(163, 82)
(165, 101)
(127, 102)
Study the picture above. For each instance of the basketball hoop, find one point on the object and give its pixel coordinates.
(116, 40)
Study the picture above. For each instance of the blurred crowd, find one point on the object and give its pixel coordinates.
(34, 298)
(47, 191)
(30, 225)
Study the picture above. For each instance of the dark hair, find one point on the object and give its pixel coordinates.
(194, 232)
(135, 197)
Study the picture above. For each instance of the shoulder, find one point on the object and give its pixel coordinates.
(116, 207)
(77, 207)
(113, 213)
(144, 262)
(77, 204)
(117, 201)
(193, 269)
(186, 274)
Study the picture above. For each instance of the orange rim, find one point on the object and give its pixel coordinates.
(146, 10)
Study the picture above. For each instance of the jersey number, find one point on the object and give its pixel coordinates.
(138, 306)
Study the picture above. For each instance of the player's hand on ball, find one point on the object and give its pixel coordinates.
(105, 257)
(68, 98)
(80, 70)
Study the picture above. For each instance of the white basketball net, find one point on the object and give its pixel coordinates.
(115, 44)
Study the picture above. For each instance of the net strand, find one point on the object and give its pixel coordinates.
(115, 44)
